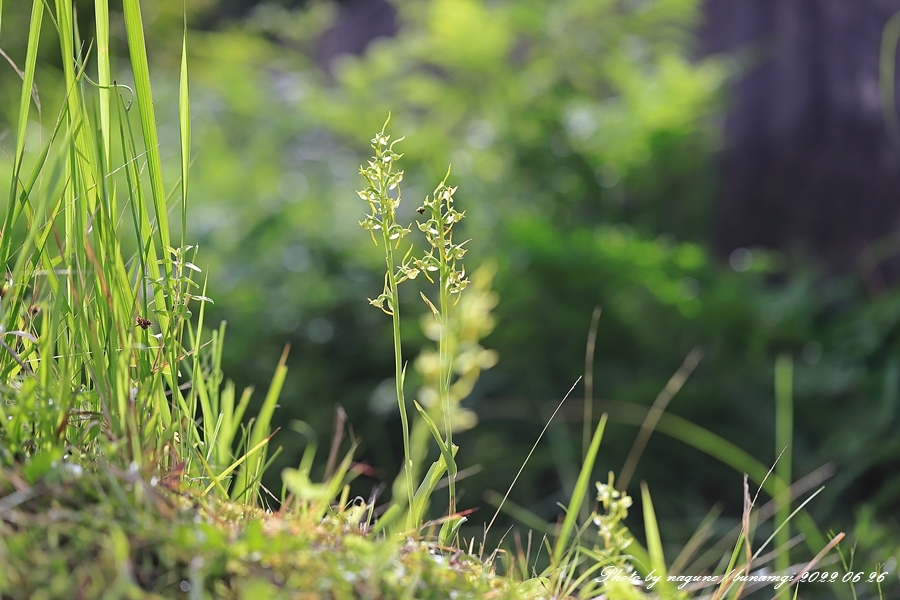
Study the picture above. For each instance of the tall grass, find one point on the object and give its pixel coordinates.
(102, 354)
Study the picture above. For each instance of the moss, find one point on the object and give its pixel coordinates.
(110, 533)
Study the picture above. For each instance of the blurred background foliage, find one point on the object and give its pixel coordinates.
(583, 136)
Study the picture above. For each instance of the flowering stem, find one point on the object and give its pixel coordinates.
(442, 258)
(446, 366)
(398, 362)
(382, 179)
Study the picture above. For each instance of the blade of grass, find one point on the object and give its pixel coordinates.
(579, 493)
(163, 287)
(217, 479)
(743, 543)
(784, 425)
(651, 531)
(260, 430)
(781, 526)
(446, 451)
(525, 462)
(137, 47)
(24, 106)
(720, 449)
(104, 79)
(588, 419)
(423, 494)
(184, 114)
(656, 411)
(340, 418)
(811, 564)
(764, 513)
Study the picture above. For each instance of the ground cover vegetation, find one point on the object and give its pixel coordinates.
(132, 467)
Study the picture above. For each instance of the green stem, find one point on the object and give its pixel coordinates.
(446, 366)
(398, 361)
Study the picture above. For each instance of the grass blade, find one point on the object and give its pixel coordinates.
(104, 78)
(720, 449)
(217, 479)
(260, 431)
(656, 411)
(13, 207)
(525, 462)
(651, 530)
(784, 425)
(579, 493)
(137, 48)
(184, 114)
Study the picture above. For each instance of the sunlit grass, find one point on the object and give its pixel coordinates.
(101, 354)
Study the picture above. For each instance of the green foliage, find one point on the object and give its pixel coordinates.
(563, 121)
(529, 135)
(529, 109)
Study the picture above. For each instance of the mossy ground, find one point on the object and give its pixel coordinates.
(114, 533)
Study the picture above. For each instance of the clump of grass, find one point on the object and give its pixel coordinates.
(102, 357)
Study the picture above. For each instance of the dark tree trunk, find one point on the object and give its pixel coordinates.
(359, 22)
(808, 160)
